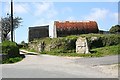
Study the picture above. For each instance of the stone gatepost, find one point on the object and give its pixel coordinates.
(82, 46)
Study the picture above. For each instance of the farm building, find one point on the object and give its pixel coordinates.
(74, 28)
(38, 32)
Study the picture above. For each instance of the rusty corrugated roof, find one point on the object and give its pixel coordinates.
(85, 25)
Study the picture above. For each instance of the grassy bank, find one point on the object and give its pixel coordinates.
(105, 44)
(97, 52)
(68, 43)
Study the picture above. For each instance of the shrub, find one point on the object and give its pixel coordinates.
(12, 60)
(105, 40)
(115, 29)
(10, 48)
(23, 45)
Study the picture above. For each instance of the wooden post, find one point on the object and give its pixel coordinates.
(12, 20)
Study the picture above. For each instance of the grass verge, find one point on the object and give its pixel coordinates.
(97, 52)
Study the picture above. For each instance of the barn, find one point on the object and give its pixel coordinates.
(38, 32)
(65, 28)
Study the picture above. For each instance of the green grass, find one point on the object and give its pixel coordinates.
(12, 60)
(108, 50)
(97, 52)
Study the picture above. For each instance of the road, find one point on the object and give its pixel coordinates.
(98, 61)
(46, 66)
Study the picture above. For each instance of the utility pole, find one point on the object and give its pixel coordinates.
(11, 20)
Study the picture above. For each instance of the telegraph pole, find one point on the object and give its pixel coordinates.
(11, 20)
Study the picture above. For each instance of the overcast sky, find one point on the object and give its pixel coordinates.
(45, 13)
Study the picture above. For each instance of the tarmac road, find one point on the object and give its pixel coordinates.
(99, 60)
(46, 66)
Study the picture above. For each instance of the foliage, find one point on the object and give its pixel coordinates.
(23, 45)
(22, 42)
(10, 48)
(12, 60)
(105, 40)
(115, 29)
(6, 25)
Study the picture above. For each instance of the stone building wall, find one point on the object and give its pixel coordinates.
(38, 32)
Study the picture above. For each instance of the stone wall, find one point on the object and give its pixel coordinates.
(38, 32)
(56, 44)
(72, 44)
(61, 45)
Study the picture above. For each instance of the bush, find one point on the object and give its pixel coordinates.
(12, 60)
(10, 49)
(115, 29)
(105, 40)
(23, 45)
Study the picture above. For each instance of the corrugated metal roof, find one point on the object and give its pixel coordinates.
(89, 25)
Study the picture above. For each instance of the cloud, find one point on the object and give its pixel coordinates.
(115, 16)
(45, 13)
(66, 9)
(41, 8)
(18, 8)
(45, 9)
(21, 8)
(7, 7)
(51, 13)
(97, 14)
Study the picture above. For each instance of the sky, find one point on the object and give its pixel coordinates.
(45, 13)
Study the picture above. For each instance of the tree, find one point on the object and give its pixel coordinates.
(6, 25)
(23, 42)
(115, 29)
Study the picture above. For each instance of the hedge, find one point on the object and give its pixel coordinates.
(10, 49)
(106, 40)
